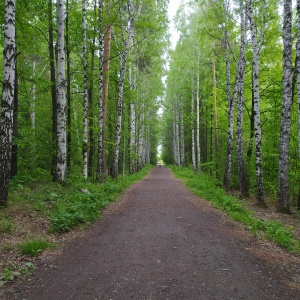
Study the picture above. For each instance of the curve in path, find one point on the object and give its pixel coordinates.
(158, 241)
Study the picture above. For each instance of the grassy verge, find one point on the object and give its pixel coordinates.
(40, 211)
(207, 187)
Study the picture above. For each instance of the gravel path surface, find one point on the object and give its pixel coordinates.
(158, 241)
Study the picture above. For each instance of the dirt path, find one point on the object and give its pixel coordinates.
(155, 242)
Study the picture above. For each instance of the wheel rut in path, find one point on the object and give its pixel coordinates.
(158, 241)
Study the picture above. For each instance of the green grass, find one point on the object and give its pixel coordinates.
(84, 202)
(34, 247)
(207, 187)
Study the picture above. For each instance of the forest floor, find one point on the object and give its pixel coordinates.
(159, 241)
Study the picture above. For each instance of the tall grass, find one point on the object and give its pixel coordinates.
(208, 188)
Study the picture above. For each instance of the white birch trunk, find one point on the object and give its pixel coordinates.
(61, 167)
(257, 122)
(177, 145)
(85, 94)
(193, 132)
(100, 163)
(198, 119)
(230, 113)
(243, 181)
(8, 90)
(141, 136)
(132, 79)
(285, 124)
(123, 60)
(182, 152)
(174, 144)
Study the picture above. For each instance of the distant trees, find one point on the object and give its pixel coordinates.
(248, 86)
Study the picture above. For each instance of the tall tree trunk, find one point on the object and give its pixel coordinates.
(215, 112)
(141, 135)
(283, 204)
(243, 180)
(14, 157)
(85, 95)
(257, 122)
(230, 113)
(198, 119)
(90, 101)
(53, 88)
(177, 144)
(7, 107)
(182, 150)
(106, 66)
(123, 59)
(61, 166)
(298, 84)
(69, 120)
(132, 167)
(101, 168)
(91, 117)
(193, 132)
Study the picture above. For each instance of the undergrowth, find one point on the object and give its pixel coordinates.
(207, 187)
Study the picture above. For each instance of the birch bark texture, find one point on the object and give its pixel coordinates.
(61, 165)
(256, 99)
(8, 90)
(193, 130)
(123, 58)
(231, 103)
(243, 180)
(85, 94)
(198, 118)
(132, 79)
(283, 204)
(100, 173)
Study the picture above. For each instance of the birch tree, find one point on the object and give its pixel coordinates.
(123, 58)
(198, 119)
(298, 85)
(256, 100)
(101, 157)
(285, 124)
(231, 103)
(132, 79)
(182, 148)
(193, 131)
(243, 180)
(85, 94)
(61, 166)
(7, 106)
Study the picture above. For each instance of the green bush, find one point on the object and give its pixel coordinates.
(34, 247)
(84, 203)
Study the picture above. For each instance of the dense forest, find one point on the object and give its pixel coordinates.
(84, 81)
(232, 104)
(82, 85)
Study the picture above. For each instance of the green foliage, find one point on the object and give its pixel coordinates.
(207, 187)
(13, 270)
(34, 247)
(6, 226)
(83, 204)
